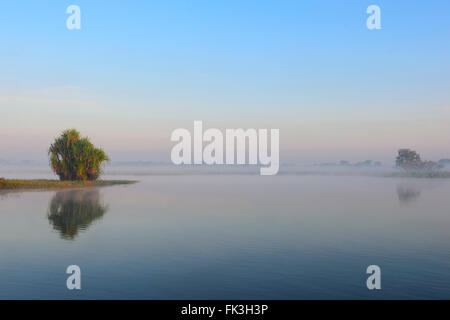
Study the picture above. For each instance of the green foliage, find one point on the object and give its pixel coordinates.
(76, 158)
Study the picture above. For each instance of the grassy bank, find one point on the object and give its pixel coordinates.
(9, 184)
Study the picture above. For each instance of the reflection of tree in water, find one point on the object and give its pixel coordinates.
(74, 210)
(407, 194)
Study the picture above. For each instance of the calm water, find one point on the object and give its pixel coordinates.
(229, 237)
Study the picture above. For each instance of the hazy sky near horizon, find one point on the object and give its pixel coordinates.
(137, 70)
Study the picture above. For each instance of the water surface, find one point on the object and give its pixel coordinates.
(229, 237)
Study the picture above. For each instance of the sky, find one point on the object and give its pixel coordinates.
(137, 70)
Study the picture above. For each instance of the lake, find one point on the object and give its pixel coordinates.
(236, 236)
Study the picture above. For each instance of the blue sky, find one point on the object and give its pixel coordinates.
(139, 69)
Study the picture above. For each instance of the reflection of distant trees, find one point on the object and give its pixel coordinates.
(407, 193)
(74, 210)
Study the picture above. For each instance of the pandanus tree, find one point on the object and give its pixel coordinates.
(75, 158)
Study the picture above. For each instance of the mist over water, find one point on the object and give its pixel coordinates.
(228, 236)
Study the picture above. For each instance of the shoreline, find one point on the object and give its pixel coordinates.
(36, 184)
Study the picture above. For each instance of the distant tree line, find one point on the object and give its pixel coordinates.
(410, 160)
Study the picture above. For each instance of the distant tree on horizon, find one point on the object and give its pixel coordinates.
(410, 160)
(75, 158)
